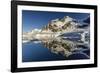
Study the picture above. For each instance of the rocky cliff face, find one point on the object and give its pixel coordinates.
(60, 24)
(56, 28)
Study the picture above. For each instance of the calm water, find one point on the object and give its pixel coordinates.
(51, 50)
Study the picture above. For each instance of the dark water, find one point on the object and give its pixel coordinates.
(37, 52)
(48, 51)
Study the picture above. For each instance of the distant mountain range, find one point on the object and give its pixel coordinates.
(58, 27)
(65, 23)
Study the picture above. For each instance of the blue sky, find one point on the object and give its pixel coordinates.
(38, 19)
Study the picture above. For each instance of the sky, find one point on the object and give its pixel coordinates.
(38, 19)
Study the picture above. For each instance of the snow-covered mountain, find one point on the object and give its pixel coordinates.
(61, 24)
(56, 28)
(65, 24)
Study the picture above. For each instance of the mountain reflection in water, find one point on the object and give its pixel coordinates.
(59, 48)
(65, 47)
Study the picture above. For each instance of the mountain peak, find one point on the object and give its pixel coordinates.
(59, 24)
